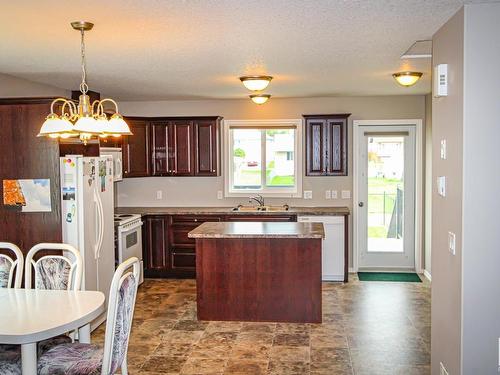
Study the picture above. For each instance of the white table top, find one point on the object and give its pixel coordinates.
(29, 315)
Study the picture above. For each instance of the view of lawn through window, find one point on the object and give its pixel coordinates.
(263, 157)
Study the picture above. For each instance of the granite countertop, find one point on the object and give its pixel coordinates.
(325, 211)
(258, 230)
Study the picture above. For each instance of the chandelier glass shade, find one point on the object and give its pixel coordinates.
(83, 119)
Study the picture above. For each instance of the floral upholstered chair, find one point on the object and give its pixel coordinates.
(57, 272)
(88, 359)
(10, 265)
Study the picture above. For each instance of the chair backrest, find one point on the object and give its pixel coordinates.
(9, 265)
(122, 294)
(54, 271)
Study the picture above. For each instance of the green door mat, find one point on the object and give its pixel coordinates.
(389, 276)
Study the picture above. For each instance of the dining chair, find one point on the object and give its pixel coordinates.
(10, 265)
(90, 359)
(57, 272)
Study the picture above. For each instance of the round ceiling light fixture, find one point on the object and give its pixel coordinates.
(260, 98)
(256, 83)
(407, 79)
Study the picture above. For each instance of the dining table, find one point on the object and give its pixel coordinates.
(28, 316)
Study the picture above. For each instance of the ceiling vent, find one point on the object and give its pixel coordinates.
(421, 49)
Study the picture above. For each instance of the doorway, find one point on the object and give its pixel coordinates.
(385, 195)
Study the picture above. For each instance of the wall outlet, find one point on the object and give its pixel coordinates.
(442, 369)
(219, 194)
(346, 194)
(159, 194)
(443, 149)
(441, 185)
(308, 194)
(451, 242)
(328, 194)
(334, 194)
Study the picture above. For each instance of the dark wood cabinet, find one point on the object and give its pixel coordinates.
(168, 251)
(135, 149)
(206, 138)
(175, 146)
(326, 144)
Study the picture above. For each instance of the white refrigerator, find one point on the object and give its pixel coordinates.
(87, 218)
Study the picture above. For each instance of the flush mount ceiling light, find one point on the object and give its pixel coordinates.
(256, 83)
(260, 98)
(407, 79)
(84, 120)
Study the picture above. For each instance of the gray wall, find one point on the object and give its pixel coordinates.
(202, 191)
(481, 206)
(447, 123)
(11, 87)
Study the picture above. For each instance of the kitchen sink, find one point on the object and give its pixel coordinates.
(242, 208)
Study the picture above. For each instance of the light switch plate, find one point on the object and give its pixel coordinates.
(335, 194)
(451, 242)
(328, 194)
(346, 194)
(219, 194)
(159, 194)
(308, 194)
(441, 185)
(443, 149)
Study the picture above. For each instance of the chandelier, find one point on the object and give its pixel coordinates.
(83, 120)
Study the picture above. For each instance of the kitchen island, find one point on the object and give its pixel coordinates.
(259, 271)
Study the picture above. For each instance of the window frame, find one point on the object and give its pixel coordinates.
(281, 192)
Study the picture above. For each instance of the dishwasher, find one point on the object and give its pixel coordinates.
(332, 248)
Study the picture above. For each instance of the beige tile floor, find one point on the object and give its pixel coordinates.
(368, 328)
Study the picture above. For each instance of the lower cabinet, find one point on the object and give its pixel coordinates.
(168, 252)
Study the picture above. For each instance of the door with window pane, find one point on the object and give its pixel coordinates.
(386, 207)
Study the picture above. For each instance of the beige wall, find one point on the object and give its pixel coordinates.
(428, 185)
(447, 123)
(11, 87)
(202, 191)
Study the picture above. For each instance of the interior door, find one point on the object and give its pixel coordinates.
(386, 202)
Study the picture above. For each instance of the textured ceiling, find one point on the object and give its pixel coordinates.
(154, 49)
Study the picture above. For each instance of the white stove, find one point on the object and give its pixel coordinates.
(128, 238)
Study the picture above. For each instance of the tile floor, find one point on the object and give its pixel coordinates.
(368, 328)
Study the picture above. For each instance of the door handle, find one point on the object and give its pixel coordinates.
(361, 204)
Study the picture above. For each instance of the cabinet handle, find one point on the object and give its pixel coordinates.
(195, 219)
(213, 170)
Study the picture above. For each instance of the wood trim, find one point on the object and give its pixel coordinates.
(29, 100)
(334, 116)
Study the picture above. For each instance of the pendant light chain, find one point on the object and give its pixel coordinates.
(84, 88)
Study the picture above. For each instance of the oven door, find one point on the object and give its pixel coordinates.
(130, 245)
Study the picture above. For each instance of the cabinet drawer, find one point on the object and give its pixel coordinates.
(195, 219)
(182, 260)
(261, 218)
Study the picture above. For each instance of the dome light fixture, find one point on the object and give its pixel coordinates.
(260, 98)
(407, 79)
(256, 83)
(89, 120)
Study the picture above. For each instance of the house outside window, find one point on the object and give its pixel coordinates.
(263, 157)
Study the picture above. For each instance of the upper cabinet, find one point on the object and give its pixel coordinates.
(177, 146)
(326, 145)
(135, 149)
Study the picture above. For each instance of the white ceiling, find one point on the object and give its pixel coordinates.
(188, 49)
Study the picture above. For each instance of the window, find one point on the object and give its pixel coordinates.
(263, 157)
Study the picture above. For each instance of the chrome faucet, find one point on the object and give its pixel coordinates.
(259, 199)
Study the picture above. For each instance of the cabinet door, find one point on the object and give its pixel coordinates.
(155, 252)
(136, 149)
(159, 148)
(315, 147)
(336, 147)
(181, 149)
(206, 137)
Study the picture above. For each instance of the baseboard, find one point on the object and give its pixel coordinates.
(427, 275)
(352, 270)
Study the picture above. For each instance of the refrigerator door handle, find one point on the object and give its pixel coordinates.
(101, 225)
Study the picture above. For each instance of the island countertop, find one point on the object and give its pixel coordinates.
(257, 230)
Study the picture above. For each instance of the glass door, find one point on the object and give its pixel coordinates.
(386, 206)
